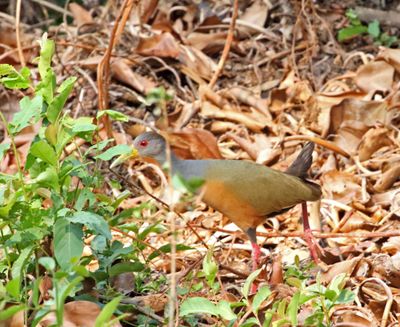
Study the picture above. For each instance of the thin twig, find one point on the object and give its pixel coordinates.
(103, 69)
(227, 46)
(17, 32)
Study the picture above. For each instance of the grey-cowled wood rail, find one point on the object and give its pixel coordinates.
(247, 193)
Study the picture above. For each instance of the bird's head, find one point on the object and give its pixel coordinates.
(148, 145)
(151, 145)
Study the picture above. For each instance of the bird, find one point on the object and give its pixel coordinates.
(245, 192)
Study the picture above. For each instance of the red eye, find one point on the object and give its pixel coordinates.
(144, 143)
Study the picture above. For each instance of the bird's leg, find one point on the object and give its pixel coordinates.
(255, 255)
(308, 236)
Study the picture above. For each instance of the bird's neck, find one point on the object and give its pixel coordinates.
(173, 160)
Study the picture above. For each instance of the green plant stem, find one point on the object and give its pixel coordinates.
(16, 154)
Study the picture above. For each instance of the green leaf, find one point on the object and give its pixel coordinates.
(125, 267)
(115, 115)
(68, 242)
(47, 86)
(48, 263)
(374, 29)
(28, 115)
(46, 53)
(262, 294)
(337, 282)
(44, 151)
(210, 267)
(167, 249)
(10, 311)
(48, 178)
(293, 308)
(250, 322)
(13, 287)
(105, 315)
(115, 151)
(92, 221)
(225, 311)
(19, 264)
(13, 79)
(186, 185)
(4, 147)
(345, 296)
(349, 32)
(198, 305)
(249, 281)
(55, 107)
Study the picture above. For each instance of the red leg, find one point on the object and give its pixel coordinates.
(255, 256)
(308, 236)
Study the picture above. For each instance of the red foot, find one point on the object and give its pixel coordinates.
(312, 245)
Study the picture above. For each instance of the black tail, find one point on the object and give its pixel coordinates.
(302, 164)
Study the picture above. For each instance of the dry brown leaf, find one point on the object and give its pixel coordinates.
(384, 269)
(256, 14)
(351, 119)
(160, 45)
(352, 315)
(388, 178)
(80, 14)
(247, 97)
(341, 186)
(194, 143)
(375, 76)
(210, 111)
(76, 314)
(206, 42)
(392, 56)
(196, 62)
(346, 267)
(123, 72)
(372, 141)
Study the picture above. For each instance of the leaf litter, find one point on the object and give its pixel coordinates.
(286, 80)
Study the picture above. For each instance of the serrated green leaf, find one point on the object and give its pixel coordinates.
(44, 151)
(13, 79)
(68, 242)
(28, 115)
(92, 221)
(198, 305)
(47, 86)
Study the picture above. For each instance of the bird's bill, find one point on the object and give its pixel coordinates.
(124, 157)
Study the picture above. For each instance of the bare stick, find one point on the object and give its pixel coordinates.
(17, 33)
(227, 46)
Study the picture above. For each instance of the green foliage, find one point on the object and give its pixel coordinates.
(357, 28)
(268, 312)
(51, 206)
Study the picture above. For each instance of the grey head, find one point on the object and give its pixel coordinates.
(151, 145)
